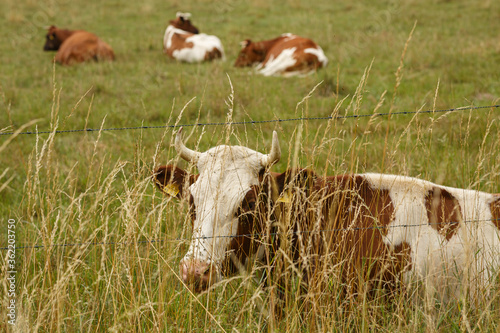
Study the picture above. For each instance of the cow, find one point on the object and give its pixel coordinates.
(286, 55)
(183, 42)
(75, 46)
(375, 230)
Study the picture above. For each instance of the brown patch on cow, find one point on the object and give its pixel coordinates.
(254, 52)
(358, 215)
(378, 201)
(402, 257)
(170, 174)
(375, 211)
(443, 212)
(247, 214)
(184, 24)
(305, 62)
(192, 210)
(179, 43)
(250, 227)
(355, 198)
(398, 260)
(214, 54)
(495, 211)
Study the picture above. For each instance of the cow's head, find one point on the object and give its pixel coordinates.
(251, 53)
(53, 39)
(183, 22)
(224, 200)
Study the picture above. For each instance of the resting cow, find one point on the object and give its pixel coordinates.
(375, 228)
(74, 46)
(286, 55)
(183, 42)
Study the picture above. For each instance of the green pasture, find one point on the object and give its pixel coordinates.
(94, 187)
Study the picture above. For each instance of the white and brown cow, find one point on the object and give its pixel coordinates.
(183, 42)
(287, 55)
(384, 228)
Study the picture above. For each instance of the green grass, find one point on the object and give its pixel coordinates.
(94, 187)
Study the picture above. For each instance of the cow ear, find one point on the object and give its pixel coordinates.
(172, 180)
(245, 43)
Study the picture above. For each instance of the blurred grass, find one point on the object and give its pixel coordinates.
(68, 195)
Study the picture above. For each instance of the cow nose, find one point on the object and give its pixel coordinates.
(197, 274)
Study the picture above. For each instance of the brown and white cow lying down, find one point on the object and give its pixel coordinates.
(383, 228)
(74, 46)
(183, 42)
(287, 55)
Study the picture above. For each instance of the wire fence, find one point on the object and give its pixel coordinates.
(254, 122)
(252, 235)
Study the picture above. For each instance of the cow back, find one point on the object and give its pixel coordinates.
(285, 55)
(83, 46)
(189, 47)
(289, 42)
(293, 55)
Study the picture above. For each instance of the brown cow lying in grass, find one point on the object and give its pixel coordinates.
(74, 46)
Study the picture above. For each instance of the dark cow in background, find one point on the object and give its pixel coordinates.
(183, 42)
(376, 228)
(74, 46)
(287, 55)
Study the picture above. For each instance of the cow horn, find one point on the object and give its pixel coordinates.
(186, 153)
(185, 16)
(275, 154)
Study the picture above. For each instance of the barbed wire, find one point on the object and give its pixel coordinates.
(252, 235)
(253, 122)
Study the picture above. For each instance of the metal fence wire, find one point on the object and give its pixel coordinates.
(254, 122)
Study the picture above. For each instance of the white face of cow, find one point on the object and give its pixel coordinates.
(226, 174)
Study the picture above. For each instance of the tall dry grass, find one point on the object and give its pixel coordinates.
(108, 244)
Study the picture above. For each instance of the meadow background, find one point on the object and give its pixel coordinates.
(94, 187)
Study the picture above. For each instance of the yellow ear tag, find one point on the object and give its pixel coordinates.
(171, 189)
(285, 198)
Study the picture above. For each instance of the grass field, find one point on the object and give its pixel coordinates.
(94, 187)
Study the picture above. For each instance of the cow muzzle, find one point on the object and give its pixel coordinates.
(197, 274)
